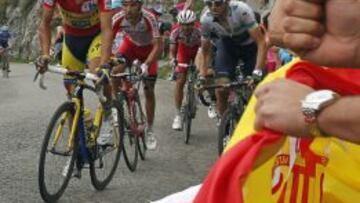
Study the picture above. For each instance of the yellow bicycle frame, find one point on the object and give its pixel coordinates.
(97, 123)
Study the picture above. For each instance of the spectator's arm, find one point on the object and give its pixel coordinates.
(341, 119)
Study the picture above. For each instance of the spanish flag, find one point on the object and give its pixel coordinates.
(268, 166)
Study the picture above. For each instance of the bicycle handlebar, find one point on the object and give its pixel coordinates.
(227, 85)
(64, 71)
(79, 75)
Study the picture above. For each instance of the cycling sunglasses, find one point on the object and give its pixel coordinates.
(214, 3)
(187, 24)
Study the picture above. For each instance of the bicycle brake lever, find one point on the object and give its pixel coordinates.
(99, 92)
(36, 76)
(41, 82)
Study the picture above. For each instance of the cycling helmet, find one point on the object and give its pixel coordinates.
(4, 28)
(186, 17)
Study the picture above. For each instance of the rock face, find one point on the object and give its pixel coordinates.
(23, 18)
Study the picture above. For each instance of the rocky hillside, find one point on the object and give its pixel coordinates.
(23, 17)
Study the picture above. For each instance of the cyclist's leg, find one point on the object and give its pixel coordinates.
(125, 51)
(73, 58)
(184, 55)
(142, 53)
(225, 62)
(248, 54)
(93, 58)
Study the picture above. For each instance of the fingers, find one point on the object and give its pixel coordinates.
(300, 41)
(304, 9)
(300, 17)
(301, 25)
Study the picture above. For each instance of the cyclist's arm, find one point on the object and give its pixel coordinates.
(173, 51)
(106, 36)
(154, 52)
(44, 30)
(259, 37)
(206, 51)
(173, 44)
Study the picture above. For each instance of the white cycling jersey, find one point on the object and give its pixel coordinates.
(142, 33)
(240, 18)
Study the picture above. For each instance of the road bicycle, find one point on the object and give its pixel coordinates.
(240, 91)
(70, 142)
(129, 101)
(189, 107)
(4, 62)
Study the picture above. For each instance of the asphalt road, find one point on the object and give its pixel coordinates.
(25, 111)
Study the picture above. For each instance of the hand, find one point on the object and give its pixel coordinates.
(331, 42)
(173, 62)
(278, 107)
(144, 69)
(103, 73)
(41, 63)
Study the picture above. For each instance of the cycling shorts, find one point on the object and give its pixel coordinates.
(228, 54)
(4, 44)
(185, 55)
(131, 52)
(78, 50)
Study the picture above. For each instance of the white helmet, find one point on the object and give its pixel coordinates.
(186, 17)
(4, 28)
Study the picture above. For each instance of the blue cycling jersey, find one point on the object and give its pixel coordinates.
(240, 18)
(4, 36)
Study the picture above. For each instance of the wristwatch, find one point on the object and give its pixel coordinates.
(313, 104)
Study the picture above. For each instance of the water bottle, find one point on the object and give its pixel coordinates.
(89, 126)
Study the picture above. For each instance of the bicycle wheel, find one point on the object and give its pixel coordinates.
(6, 69)
(55, 171)
(130, 140)
(2, 67)
(140, 121)
(227, 126)
(189, 112)
(104, 167)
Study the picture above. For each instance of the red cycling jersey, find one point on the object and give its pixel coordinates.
(81, 19)
(177, 36)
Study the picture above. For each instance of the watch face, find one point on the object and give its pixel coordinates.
(316, 100)
(320, 96)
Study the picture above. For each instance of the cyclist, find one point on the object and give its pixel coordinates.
(87, 39)
(4, 36)
(185, 40)
(141, 41)
(232, 28)
(4, 39)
